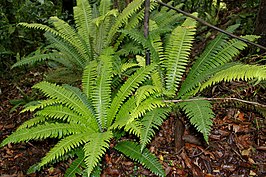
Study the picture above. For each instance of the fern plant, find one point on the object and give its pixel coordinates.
(214, 65)
(70, 48)
(86, 120)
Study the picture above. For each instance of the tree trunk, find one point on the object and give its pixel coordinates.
(261, 23)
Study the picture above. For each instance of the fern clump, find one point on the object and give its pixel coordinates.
(84, 121)
(72, 47)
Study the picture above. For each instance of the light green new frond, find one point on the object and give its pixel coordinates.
(127, 89)
(177, 53)
(147, 159)
(146, 105)
(132, 8)
(64, 146)
(74, 167)
(238, 72)
(134, 127)
(83, 20)
(200, 114)
(67, 97)
(34, 59)
(145, 91)
(152, 120)
(32, 122)
(123, 115)
(42, 132)
(95, 149)
(101, 94)
(40, 105)
(89, 77)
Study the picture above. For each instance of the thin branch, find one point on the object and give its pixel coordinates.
(211, 26)
(215, 99)
(146, 28)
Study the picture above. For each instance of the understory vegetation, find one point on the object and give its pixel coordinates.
(99, 93)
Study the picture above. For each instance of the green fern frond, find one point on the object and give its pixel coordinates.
(132, 8)
(62, 113)
(64, 146)
(95, 148)
(144, 92)
(177, 53)
(200, 114)
(40, 105)
(43, 131)
(238, 72)
(210, 58)
(127, 88)
(32, 122)
(101, 93)
(67, 50)
(34, 59)
(83, 21)
(70, 35)
(152, 120)
(63, 95)
(146, 105)
(134, 127)
(89, 77)
(123, 115)
(147, 159)
(74, 167)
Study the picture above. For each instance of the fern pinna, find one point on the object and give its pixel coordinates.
(71, 48)
(214, 65)
(85, 120)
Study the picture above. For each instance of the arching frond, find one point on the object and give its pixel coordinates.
(177, 53)
(35, 58)
(144, 92)
(40, 104)
(238, 72)
(95, 148)
(152, 120)
(133, 127)
(74, 167)
(64, 146)
(32, 122)
(43, 131)
(147, 159)
(200, 115)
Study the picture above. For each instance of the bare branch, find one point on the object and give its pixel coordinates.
(146, 28)
(211, 26)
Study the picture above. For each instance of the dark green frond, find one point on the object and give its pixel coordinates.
(177, 52)
(127, 88)
(132, 8)
(34, 59)
(32, 122)
(64, 146)
(200, 114)
(151, 121)
(95, 148)
(40, 105)
(238, 72)
(42, 132)
(75, 166)
(147, 159)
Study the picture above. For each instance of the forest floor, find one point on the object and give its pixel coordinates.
(237, 144)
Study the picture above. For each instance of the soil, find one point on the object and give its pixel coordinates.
(237, 144)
